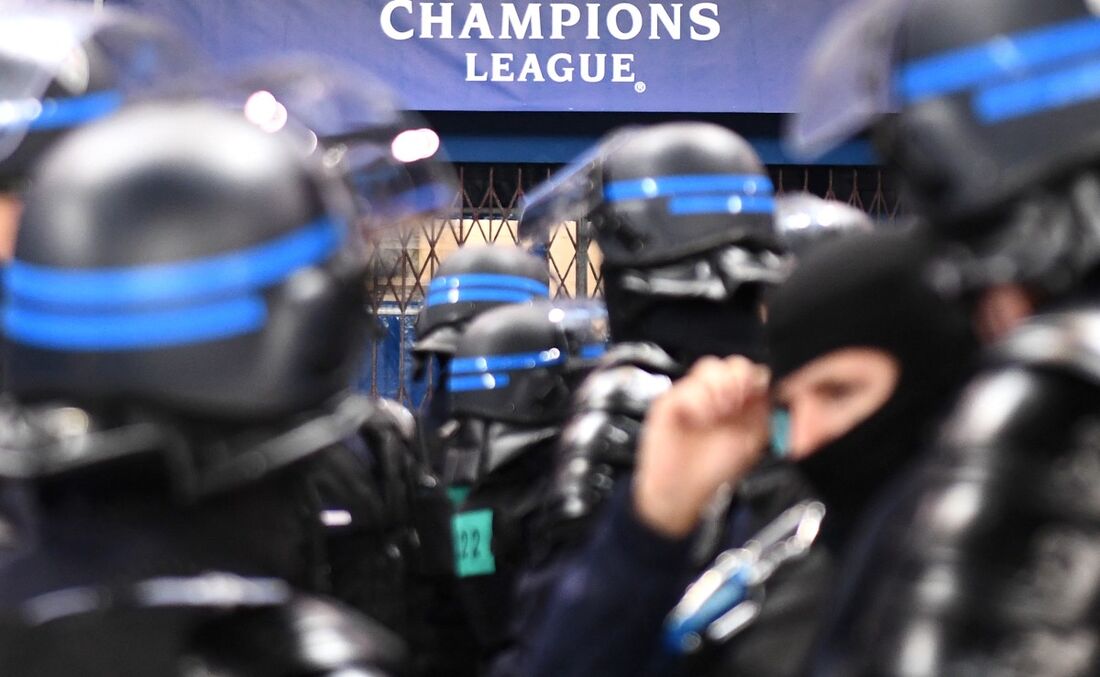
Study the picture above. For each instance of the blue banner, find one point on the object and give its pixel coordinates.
(725, 56)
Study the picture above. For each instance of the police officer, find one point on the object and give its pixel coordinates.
(66, 66)
(683, 214)
(183, 317)
(983, 563)
(470, 281)
(511, 381)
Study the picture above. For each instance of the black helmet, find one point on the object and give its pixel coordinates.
(996, 105)
(177, 256)
(471, 281)
(662, 193)
(806, 220)
(518, 364)
(65, 65)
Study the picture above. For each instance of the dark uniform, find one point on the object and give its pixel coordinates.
(183, 361)
(761, 571)
(984, 561)
(511, 380)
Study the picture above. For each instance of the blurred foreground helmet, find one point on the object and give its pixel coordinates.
(469, 282)
(659, 194)
(391, 157)
(213, 624)
(806, 220)
(177, 256)
(519, 363)
(995, 101)
(64, 65)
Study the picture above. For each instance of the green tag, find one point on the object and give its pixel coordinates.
(473, 541)
(458, 495)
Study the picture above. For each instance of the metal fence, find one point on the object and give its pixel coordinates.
(486, 212)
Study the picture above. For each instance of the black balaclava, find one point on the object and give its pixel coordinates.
(871, 291)
(687, 328)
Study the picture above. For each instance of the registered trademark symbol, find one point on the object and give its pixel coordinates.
(639, 87)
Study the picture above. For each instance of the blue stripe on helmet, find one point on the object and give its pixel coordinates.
(492, 280)
(1003, 56)
(462, 384)
(191, 281)
(1035, 95)
(63, 113)
(721, 204)
(510, 362)
(693, 184)
(593, 350)
(442, 298)
(131, 331)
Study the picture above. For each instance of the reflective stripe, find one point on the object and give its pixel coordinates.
(1035, 95)
(140, 330)
(672, 186)
(592, 351)
(461, 384)
(442, 298)
(1003, 56)
(511, 362)
(61, 113)
(234, 273)
(491, 280)
(721, 204)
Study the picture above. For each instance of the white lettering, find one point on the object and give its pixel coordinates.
(502, 67)
(476, 19)
(558, 22)
(560, 74)
(659, 16)
(427, 19)
(531, 22)
(593, 21)
(531, 68)
(636, 21)
(386, 19)
(471, 69)
(621, 65)
(710, 23)
(587, 64)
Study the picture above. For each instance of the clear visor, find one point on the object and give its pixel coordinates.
(92, 60)
(847, 80)
(570, 194)
(393, 161)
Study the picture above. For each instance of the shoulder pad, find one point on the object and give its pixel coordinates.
(625, 389)
(599, 437)
(1067, 341)
(647, 356)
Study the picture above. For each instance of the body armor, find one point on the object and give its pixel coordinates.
(986, 561)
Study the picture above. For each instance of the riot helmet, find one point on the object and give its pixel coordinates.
(510, 363)
(177, 257)
(987, 110)
(684, 217)
(806, 220)
(469, 282)
(63, 65)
